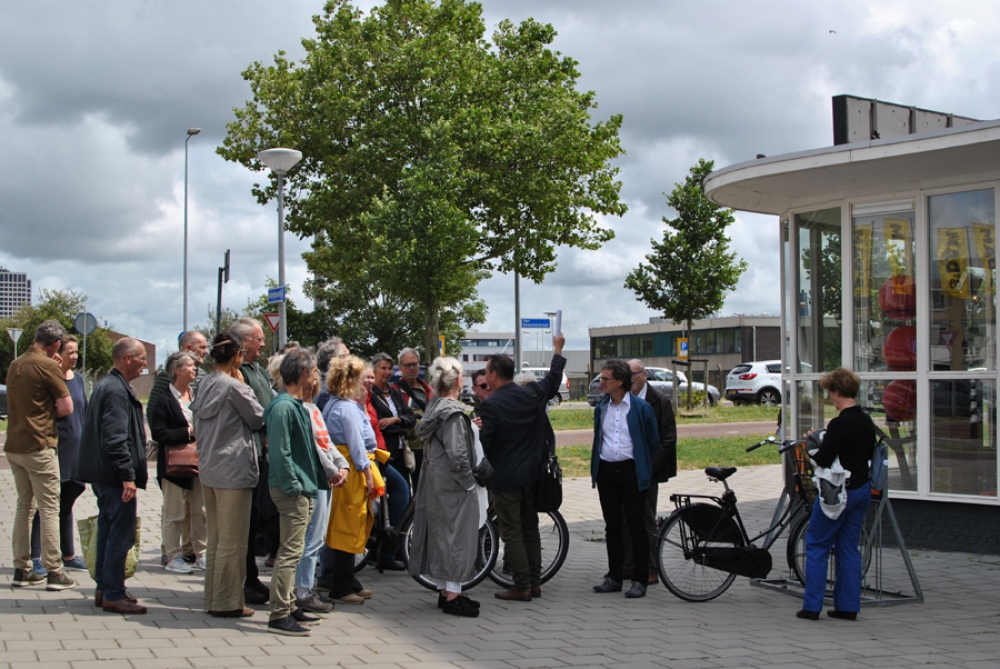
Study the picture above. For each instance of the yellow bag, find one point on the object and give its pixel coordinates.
(88, 543)
(351, 518)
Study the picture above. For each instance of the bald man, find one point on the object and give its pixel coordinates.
(113, 460)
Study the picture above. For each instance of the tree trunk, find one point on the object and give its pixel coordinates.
(432, 326)
(690, 367)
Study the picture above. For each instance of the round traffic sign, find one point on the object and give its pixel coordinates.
(85, 323)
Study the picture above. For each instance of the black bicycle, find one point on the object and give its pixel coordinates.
(703, 545)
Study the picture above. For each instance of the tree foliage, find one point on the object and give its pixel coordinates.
(64, 306)
(431, 157)
(687, 275)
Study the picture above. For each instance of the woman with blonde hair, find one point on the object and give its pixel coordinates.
(447, 517)
(350, 514)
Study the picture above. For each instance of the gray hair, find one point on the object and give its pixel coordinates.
(49, 332)
(296, 362)
(407, 351)
(245, 326)
(189, 338)
(175, 360)
(442, 373)
(381, 357)
(524, 378)
(327, 351)
(274, 371)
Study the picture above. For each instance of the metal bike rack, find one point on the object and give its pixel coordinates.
(873, 592)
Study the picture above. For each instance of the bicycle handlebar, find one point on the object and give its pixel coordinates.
(786, 445)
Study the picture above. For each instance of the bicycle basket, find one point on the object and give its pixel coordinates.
(804, 486)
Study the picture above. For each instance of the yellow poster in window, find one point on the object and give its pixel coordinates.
(901, 253)
(984, 236)
(953, 261)
(862, 241)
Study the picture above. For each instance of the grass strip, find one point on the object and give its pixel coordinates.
(582, 419)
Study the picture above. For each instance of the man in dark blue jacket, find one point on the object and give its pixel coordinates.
(621, 467)
(113, 459)
(514, 431)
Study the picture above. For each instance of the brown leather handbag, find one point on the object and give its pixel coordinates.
(181, 459)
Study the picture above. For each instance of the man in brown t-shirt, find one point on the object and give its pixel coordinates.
(36, 396)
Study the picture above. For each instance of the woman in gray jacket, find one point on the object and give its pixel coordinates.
(446, 518)
(225, 412)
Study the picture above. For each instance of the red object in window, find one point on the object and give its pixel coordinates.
(898, 298)
(747, 377)
(899, 399)
(900, 349)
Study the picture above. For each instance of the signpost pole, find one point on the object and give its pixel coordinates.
(15, 334)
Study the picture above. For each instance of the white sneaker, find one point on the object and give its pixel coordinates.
(178, 566)
(200, 563)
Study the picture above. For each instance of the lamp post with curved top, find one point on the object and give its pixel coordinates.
(280, 161)
(190, 133)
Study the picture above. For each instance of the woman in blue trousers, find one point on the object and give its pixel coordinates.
(851, 436)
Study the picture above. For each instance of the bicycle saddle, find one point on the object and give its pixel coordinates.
(720, 473)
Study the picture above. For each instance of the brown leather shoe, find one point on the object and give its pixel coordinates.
(653, 579)
(123, 605)
(536, 591)
(514, 595)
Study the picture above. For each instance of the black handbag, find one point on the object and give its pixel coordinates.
(548, 493)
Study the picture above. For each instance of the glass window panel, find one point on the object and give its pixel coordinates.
(647, 346)
(894, 410)
(963, 280)
(964, 437)
(884, 292)
(819, 290)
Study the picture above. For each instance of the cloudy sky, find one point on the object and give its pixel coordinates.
(96, 98)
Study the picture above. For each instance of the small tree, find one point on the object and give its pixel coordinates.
(689, 272)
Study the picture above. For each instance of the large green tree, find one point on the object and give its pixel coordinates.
(64, 306)
(688, 273)
(431, 157)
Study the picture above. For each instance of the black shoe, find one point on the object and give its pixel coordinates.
(190, 559)
(807, 615)
(842, 615)
(461, 606)
(254, 597)
(609, 585)
(636, 591)
(287, 626)
(442, 599)
(304, 618)
(261, 588)
(392, 565)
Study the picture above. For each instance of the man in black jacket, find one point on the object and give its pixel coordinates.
(664, 460)
(514, 440)
(113, 459)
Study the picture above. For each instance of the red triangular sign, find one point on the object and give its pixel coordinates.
(272, 320)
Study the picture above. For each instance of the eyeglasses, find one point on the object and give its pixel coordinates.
(641, 371)
(410, 364)
(483, 386)
(242, 351)
(605, 379)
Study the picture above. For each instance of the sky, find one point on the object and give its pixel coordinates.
(96, 99)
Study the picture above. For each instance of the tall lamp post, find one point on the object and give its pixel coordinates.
(280, 161)
(190, 133)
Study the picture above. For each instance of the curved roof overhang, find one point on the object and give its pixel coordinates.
(965, 154)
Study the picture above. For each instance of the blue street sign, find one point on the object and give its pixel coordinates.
(275, 295)
(535, 323)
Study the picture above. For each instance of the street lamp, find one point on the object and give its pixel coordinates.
(280, 161)
(190, 133)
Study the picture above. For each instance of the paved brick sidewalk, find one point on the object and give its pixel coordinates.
(569, 626)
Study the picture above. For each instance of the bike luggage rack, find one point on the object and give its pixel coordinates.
(871, 595)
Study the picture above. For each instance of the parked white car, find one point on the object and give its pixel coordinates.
(541, 372)
(755, 382)
(663, 379)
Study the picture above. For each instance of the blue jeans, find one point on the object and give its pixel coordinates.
(305, 572)
(115, 537)
(842, 535)
(399, 493)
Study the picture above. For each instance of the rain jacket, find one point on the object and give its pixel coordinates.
(225, 414)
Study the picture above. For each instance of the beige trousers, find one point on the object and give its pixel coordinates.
(181, 507)
(293, 516)
(228, 515)
(36, 479)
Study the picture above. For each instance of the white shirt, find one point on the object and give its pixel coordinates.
(616, 441)
(642, 393)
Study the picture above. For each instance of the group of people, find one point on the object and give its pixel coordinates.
(295, 453)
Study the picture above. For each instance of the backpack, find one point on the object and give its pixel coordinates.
(878, 469)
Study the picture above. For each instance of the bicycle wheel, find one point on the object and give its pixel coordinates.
(485, 561)
(796, 553)
(554, 535)
(684, 574)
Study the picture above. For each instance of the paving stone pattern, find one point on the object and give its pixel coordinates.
(569, 626)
